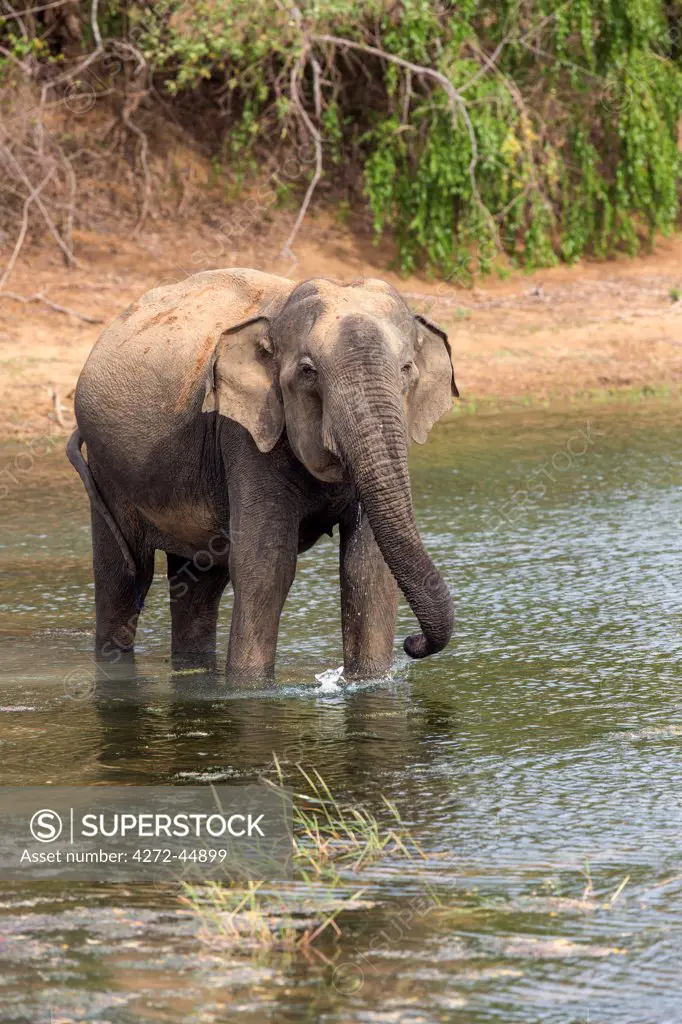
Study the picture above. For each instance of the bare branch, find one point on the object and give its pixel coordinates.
(144, 150)
(488, 60)
(317, 91)
(123, 45)
(11, 13)
(453, 94)
(72, 185)
(317, 142)
(69, 256)
(97, 35)
(30, 198)
(408, 97)
(37, 10)
(40, 297)
(68, 75)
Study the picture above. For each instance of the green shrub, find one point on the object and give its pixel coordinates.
(562, 140)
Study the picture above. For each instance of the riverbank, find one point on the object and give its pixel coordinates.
(601, 330)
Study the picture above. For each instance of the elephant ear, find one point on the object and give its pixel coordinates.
(242, 382)
(436, 385)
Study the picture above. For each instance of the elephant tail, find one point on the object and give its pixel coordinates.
(75, 456)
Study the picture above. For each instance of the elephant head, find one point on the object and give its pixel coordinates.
(352, 375)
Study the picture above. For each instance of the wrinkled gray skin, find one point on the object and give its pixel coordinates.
(233, 419)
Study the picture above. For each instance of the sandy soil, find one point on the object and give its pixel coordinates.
(551, 335)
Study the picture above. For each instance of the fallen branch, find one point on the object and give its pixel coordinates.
(53, 394)
(40, 297)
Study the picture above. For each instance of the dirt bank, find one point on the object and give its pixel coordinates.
(554, 334)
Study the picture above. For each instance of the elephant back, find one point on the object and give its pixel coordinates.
(147, 372)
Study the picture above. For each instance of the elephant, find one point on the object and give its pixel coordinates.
(231, 420)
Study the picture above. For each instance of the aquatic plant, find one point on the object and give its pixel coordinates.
(333, 843)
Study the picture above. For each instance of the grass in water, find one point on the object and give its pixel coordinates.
(333, 844)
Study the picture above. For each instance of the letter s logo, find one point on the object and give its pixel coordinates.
(46, 826)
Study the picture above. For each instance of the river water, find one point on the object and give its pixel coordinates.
(538, 761)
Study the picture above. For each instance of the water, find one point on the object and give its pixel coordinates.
(539, 758)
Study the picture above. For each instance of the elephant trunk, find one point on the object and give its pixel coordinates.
(371, 436)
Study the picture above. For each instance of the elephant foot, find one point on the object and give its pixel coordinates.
(193, 661)
(249, 677)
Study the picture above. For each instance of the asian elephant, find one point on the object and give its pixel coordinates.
(234, 418)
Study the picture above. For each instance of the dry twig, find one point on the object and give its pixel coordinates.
(53, 394)
(97, 35)
(41, 297)
(458, 107)
(36, 10)
(317, 142)
(128, 109)
(21, 173)
(22, 231)
(421, 71)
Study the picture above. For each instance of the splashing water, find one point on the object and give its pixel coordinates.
(329, 680)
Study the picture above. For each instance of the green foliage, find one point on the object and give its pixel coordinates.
(573, 108)
(17, 47)
(576, 135)
(575, 123)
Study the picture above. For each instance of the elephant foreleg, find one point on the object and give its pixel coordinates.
(369, 600)
(263, 552)
(195, 595)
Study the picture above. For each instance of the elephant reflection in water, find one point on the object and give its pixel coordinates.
(148, 737)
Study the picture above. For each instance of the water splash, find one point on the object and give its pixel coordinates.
(329, 680)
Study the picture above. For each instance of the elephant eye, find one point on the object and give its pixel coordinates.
(409, 375)
(307, 374)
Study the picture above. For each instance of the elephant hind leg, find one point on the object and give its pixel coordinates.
(195, 595)
(119, 596)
